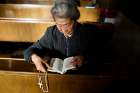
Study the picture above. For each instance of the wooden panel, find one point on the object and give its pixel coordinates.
(27, 23)
(22, 32)
(42, 12)
(25, 82)
(15, 64)
(25, 11)
(16, 76)
(89, 14)
(30, 31)
(50, 2)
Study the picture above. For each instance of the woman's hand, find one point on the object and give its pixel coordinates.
(78, 61)
(39, 63)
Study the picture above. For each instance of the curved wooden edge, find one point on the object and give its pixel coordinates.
(26, 5)
(8, 58)
(26, 20)
(42, 12)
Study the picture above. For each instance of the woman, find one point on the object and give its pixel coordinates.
(65, 39)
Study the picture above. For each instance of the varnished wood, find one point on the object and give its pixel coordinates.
(16, 65)
(42, 12)
(20, 77)
(25, 82)
(47, 2)
(27, 23)
(30, 31)
(22, 32)
(13, 59)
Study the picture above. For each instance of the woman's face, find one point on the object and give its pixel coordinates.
(64, 25)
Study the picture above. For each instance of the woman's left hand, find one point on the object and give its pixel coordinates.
(78, 61)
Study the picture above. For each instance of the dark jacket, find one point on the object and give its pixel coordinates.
(53, 43)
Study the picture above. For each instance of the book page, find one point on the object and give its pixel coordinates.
(67, 65)
(56, 64)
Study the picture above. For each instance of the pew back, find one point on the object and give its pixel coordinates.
(27, 23)
(17, 76)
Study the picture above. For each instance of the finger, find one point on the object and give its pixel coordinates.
(78, 63)
(74, 60)
(40, 68)
(46, 64)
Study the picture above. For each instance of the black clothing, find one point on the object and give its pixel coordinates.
(55, 44)
(87, 40)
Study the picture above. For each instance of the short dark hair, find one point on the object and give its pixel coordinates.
(74, 2)
(65, 10)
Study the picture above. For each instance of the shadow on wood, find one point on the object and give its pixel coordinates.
(19, 77)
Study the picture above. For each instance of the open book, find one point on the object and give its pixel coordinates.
(61, 66)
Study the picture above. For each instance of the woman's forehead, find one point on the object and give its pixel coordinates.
(62, 20)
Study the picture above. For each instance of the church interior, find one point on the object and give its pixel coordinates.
(23, 22)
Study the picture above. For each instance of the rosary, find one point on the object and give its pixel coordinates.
(43, 81)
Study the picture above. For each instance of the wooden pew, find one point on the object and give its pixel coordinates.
(21, 32)
(16, 76)
(48, 2)
(42, 12)
(26, 82)
(27, 23)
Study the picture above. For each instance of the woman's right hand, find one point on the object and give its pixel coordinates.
(38, 62)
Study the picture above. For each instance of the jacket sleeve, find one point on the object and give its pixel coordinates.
(45, 42)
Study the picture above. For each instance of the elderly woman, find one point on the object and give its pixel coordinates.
(65, 39)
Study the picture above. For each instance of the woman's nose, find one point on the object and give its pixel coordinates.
(63, 28)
